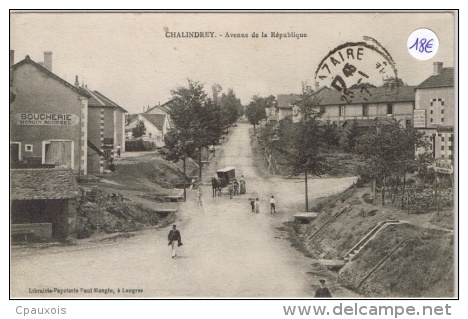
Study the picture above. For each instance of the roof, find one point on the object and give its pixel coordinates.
(226, 169)
(44, 70)
(382, 94)
(156, 119)
(43, 183)
(445, 78)
(370, 122)
(285, 101)
(165, 106)
(100, 100)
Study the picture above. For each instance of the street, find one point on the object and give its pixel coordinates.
(228, 251)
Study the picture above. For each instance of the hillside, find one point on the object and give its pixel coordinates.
(422, 265)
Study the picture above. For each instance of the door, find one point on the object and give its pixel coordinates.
(14, 153)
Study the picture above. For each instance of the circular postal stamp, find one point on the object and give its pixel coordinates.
(353, 67)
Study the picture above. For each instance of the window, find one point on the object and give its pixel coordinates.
(28, 148)
(442, 148)
(342, 110)
(365, 110)
(450, 147)
(408, 123)
(451, 138)
(322, 109)
(389, 108)
(437, 110)
(450, 157)
(443, 139)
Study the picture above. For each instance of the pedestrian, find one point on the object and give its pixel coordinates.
(231, 190)
(175, 240)
(257, 206)
(199, 197)
(272, 205)
(252, 203)
(119, 148)
(322, 291)
(236, 188)
(112, 165)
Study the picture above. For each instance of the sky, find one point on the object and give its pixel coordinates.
(127, 56)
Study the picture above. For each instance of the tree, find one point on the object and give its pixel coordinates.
(230, 106)
(179, 145)
(139, 130)
(255, 110)
(196, 121)
(389, 152)
(303, 142)
(330, 134)
(351, 137)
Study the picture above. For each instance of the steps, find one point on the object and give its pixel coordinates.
(353, 252)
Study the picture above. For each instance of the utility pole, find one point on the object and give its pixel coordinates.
(306, 193)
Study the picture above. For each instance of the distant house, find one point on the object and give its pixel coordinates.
(106, 130)
(386, 101)
(156, 125)
(435, 111)
(48, 122)
(286, 105)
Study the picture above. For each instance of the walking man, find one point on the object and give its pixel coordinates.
(322, 291)
(272, 205)
(175, 240)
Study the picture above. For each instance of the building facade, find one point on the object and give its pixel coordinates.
(106, 130)
(48, 122)
(435, 111)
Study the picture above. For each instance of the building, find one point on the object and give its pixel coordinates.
(106, 129)
(385, 101)
(43, 202)
(156, 125)
(435, 111)
(286, 105)
(48, 117)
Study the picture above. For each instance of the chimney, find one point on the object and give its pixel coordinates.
(12, 57)
(438, 67)
(77, 83)
(390, 85)
(316, 86)
(48, 60)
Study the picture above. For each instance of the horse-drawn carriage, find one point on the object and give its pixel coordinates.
(226, 177)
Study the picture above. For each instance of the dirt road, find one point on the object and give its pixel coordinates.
(228, 250)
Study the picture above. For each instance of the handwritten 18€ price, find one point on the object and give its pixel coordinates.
(423, 44)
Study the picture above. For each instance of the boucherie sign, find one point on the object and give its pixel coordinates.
(46, 119)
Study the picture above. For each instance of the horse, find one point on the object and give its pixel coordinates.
(215, 186)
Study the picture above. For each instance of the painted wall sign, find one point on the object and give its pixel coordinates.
(419, 118)
(46, 119)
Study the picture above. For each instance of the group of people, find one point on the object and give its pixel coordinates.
(255, 204)
(235, 187)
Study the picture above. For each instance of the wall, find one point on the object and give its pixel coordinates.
(40, 93)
